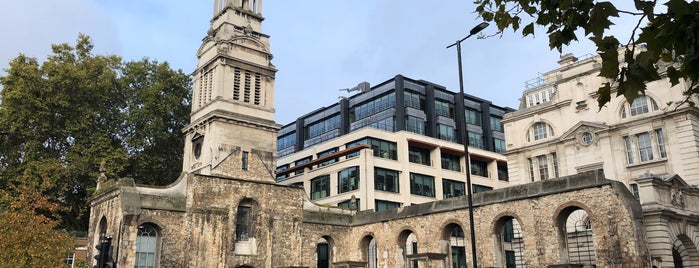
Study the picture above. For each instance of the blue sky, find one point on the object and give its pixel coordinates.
(319, 46)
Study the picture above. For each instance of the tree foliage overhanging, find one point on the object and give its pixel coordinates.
(670, 39)
(60, 119)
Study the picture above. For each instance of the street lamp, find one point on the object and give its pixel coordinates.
(464, 134)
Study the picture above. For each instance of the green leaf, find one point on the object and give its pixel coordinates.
(599, 18)
(529, 29)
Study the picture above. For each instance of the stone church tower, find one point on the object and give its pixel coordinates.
(232, 130)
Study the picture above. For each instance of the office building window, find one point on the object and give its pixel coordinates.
(381, 148)
(479, 168)
(280, 169)
(644, 147)
(661, 143)
(286, 141)
(320, 187)
(453, 188)
(451, 162)
(499, 145)
(381, 205)
(301, 162)
(496, 124)
(554, 157)
(481, 188)
(373, 106)
(297, 184)
(348, 180)
(475, 140)
(419, 156)
(421, 185)
(326, 153)
(445, 132)
(414, 100)
(386, 180)
(543, 167)
(347, 204)
(326, 125)
(444, 108)
(473, 117)
(415, 125)
(502, 172)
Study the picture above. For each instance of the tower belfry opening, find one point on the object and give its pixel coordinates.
(233, 97)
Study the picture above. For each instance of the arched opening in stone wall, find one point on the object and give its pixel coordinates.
(456, 245)
(148, 243)
(368, 249)
(509, 242)
(684, 252)
(407, 244)
(102, 230)
(324, 252)
(576, 243)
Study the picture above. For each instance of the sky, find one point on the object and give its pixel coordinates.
(319, 46)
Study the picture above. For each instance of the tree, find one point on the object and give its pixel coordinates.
(667, 43)
(28, 235)
(77, 110)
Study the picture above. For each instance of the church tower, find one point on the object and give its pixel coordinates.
(232, 130)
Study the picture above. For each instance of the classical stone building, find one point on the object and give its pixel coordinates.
(560, 131)
(418, 154)
(225, 210)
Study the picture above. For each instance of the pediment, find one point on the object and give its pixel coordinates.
(578, 130)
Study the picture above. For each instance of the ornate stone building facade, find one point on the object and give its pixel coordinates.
(226, 211)
(651, 145)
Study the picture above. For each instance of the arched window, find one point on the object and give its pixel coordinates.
(641, 105)
(324, 252)
(147, 244)
(369, 250)
(407, 241)
(577, 241)
(510, 243)
(457, 246)
(539, 131)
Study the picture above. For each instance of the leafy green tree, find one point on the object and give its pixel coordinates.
(60, 119)
(670, 39)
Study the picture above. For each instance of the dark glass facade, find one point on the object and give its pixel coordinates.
(399, 104)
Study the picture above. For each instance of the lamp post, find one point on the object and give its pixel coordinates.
(464, 135)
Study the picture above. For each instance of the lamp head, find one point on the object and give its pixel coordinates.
(478, 28)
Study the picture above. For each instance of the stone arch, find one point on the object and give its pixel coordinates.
(684, 252)
(508, 240)
(576, 243)
(407, 245)
(454, 243)
(102, 227)
(369, 250)
(324, 251)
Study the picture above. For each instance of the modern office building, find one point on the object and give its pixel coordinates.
(392, 145)
(559, 131)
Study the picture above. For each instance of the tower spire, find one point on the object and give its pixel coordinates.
(232, 121)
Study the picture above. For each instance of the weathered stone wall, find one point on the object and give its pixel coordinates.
(615, 217)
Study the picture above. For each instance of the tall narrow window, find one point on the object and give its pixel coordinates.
(236, 83)
(531, 169)
(320, 187)
(661, 143)
(243, 223)
(258, 89)
(554, 157)
(629, 149)
(645, 149)
(244, 161)
(147, 241)
(446, 133)
(543, 167)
